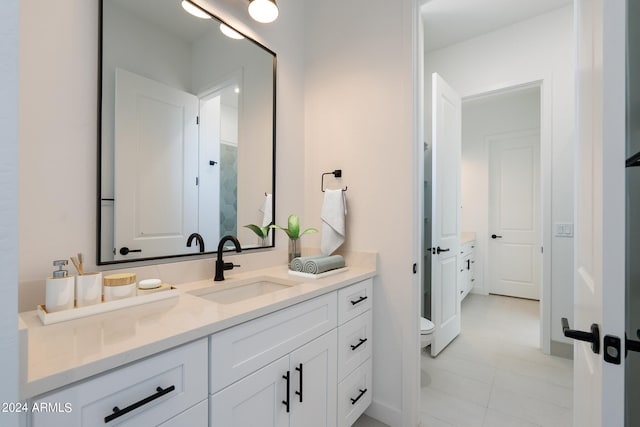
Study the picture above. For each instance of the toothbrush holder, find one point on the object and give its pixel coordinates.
(88, 289)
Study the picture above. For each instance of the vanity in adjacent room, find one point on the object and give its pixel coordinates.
(467, 266)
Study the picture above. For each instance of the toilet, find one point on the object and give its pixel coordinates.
(426, 332)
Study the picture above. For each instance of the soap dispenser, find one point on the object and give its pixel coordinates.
(60, 289)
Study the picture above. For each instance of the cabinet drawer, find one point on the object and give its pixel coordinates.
(354, 395)
(354, 343)
(467, 248)
(236, 352)
(354, 300)
(193, 417)
(144, 383)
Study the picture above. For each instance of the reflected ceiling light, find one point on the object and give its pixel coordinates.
(264, 11)
(237, 90)
(230, 32)
(194, 10)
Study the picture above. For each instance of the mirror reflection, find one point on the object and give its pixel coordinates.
(187, 133)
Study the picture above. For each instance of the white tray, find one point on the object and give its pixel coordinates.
(318, 276)
(90, 310)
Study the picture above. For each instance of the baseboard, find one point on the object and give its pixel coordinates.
(562, 349)
(384, 413)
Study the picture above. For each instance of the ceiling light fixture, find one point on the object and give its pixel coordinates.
(194, 10)
(264, 11)
(230, 32)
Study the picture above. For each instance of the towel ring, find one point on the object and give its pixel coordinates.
(336, 174)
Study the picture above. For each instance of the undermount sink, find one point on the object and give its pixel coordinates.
(236, 291)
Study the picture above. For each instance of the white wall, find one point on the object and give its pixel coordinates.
(358, 117)
(58, 128)
(9, 32)
(498, 114)
(537, 49)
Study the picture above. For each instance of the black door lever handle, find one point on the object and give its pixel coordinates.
(438, 250)
(593, 337)
(631, 345)
(495, 236)
(125, 250)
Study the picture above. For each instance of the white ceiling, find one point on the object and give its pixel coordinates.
(451, 21)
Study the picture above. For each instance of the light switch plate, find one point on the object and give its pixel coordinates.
(563, 229)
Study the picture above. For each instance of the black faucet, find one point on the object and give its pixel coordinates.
(199, 238)
(221, 265)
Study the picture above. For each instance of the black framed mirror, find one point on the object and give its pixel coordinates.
(186, 139)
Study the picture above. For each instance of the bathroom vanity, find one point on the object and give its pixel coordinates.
(218, 354)
(467, 264)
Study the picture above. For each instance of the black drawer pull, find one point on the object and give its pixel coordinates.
(358, 301)
(117, 412)
(362, 392)
(286, 402)
(299, 393)
(362, 341)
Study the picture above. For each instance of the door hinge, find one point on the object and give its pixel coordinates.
(541, 249)
(197, 180)
(197, 120)
(415, 268)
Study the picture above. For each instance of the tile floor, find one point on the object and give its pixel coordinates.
(494, 374)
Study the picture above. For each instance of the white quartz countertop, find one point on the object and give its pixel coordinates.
(57, 355)
(467, 236)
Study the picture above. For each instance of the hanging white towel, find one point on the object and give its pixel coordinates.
(334, 210)
(267, 210)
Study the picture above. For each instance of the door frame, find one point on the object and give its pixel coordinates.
(544, 83)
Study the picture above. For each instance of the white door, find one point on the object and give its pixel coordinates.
(209, 173)
(514, 215)
(599, 280)
(314, 376)
(445, 240)
(156, 165)
(256, 400)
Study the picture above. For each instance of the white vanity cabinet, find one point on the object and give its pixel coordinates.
(161, 390)
(295, 390)
(354, 351)
(298, 367)
(306, 365)
(466, 267)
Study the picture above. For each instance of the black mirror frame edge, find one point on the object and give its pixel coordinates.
(99, 151)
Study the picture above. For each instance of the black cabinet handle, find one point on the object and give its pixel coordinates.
(495, 236)
(468, 264)
(438, 250)
(125, 250)
(117, 412)
(286, 402)
(362, 341)
(359, 300)
(593, 337)
(362, 392)
(299, 393)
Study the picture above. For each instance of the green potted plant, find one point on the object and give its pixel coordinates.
(293, 231)
(261, 232)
